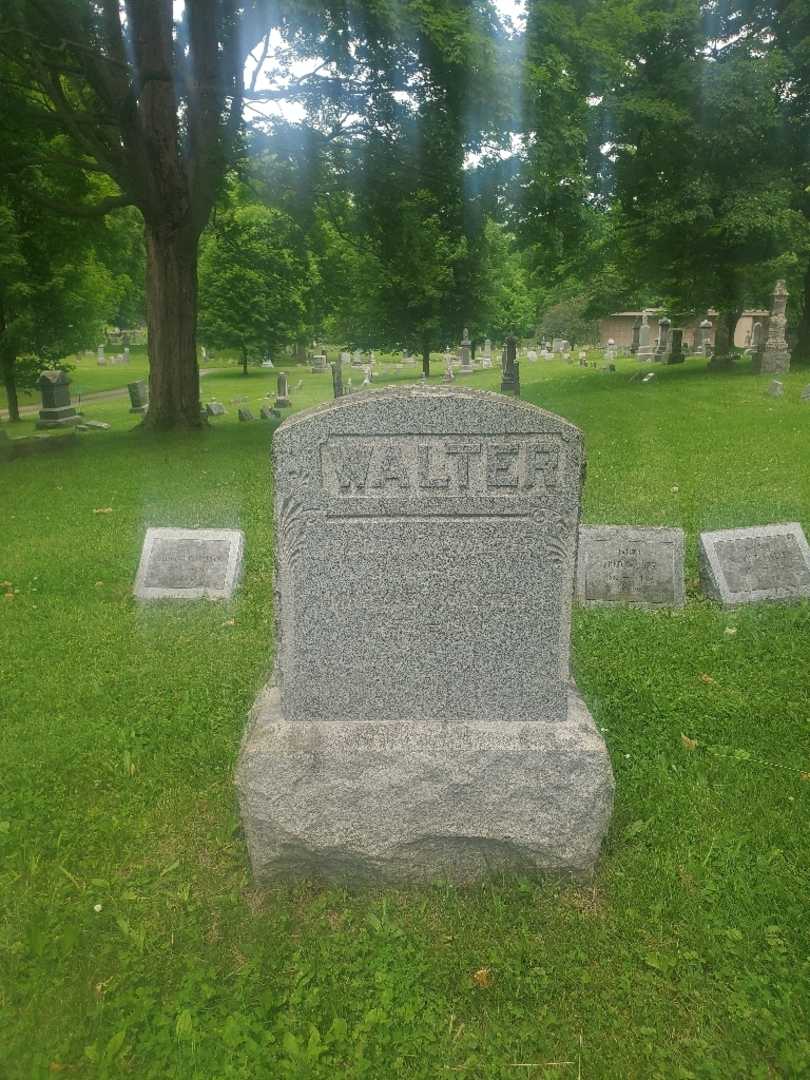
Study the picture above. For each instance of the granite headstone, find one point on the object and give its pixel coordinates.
(423, 723)
(628, 564)
(186, 564)
(766, 562)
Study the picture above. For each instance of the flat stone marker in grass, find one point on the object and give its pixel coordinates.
(187, 564)
(245, 414)
(215, 408)
(424, 724)
(766, 562)
(625, 564)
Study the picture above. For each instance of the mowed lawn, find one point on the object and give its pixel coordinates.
(132, 941)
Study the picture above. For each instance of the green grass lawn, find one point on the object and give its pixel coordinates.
(132, 941)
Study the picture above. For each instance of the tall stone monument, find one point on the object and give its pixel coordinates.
(775, 356)
(337, 377)
(56, 410)
(510, 374)
(423, 723)
(636, 336)
(645, 350)
(466, 354)
(282, 391)
(664, 346)
(705, 337)
(676, 354)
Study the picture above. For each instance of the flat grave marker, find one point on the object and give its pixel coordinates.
(627, 564)
(188, 564)
(765, 562)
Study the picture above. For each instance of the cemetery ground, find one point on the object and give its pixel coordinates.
(132, 941)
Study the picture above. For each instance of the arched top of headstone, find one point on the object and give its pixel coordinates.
(665, 321)
(460, 507)
(378, 410)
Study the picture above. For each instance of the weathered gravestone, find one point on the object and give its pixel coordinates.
(186, 564)
(805, 394)
(626, 564)
(215, 408)
(56, 410)
(510, 372)
(465, 353)
(776, 388)
(282, 391)
(774, 356)
(245, 414)
(676, 354)
(766, 562)
(424, 723)
(138, 397)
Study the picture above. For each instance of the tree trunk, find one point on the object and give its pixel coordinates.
(801, 351)
(244, 360)
(426, 360)
(171, 319)
(7, 359)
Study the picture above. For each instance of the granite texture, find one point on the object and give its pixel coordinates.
(187, 564)
(424, 724)
(627, 564)
(766, 562)
(460, 508)
(410, 800)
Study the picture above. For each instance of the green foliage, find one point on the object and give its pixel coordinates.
(687, 953)
(254, 278)
(569, 319)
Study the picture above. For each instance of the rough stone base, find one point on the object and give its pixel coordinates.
(398, 802)
(774, 362)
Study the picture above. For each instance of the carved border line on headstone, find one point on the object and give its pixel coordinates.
(189, 564)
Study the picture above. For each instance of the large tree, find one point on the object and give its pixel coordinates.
(254, 280)
(154, 105)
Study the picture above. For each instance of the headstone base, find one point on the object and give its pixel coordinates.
(141, 410)
(773, 362)
(282, 403)
(410, 801)
(61, 417)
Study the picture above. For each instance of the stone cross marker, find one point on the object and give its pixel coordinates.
(766, 562)
(186, 564)
(423, 724)
(625, 564)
